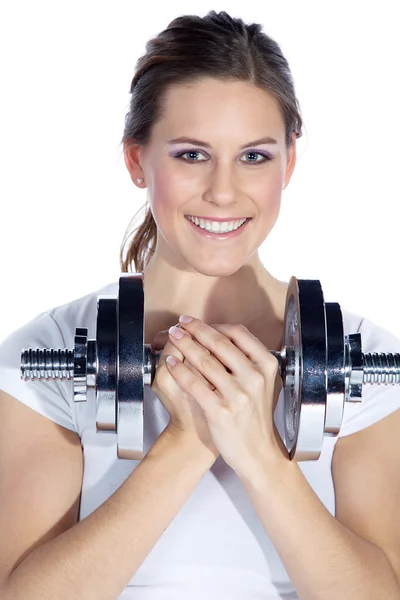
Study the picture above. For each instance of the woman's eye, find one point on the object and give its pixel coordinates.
(189, 152)
(193, 154)
(254, 153)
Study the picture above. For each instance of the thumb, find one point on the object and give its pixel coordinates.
(160, 339)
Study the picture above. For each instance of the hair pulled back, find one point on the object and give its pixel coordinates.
(190, 49)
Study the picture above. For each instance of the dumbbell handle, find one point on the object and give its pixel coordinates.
(48, 363)
(151, 363)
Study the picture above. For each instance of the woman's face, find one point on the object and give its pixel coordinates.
(218, 174)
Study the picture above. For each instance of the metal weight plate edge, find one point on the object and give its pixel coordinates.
(306, 380)
(130, 346)
(106, 347)
(336, 383)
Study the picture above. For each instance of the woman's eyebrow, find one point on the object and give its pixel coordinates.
(188, 140)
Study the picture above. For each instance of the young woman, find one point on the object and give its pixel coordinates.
(215, 508)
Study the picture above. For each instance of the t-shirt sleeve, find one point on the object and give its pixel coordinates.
(378, 400)
(48, 397)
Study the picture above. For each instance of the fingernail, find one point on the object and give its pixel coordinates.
(176, 333)
(171, 360)
(185, 319)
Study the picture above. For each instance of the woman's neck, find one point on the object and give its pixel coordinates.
(250, 296)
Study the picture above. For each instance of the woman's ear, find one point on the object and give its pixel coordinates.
(291, 160)
(132, 155)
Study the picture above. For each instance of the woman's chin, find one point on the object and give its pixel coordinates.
(210, 268)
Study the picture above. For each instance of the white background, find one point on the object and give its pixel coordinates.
(66, 195)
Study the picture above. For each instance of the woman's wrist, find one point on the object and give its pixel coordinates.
(188, 443)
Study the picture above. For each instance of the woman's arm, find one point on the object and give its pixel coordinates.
(326, 560)
(96, 558)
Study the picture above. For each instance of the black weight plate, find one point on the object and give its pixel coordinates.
(130, 345)
(335, 368)
(106, 380)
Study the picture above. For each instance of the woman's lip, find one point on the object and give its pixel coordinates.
(218, 220)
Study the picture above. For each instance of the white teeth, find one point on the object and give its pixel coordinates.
(215, 226)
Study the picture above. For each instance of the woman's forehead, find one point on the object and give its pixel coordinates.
(213, 105)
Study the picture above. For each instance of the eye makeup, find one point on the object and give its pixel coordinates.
(180, 153)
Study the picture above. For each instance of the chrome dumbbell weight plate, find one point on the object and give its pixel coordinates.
(116, 365)
(120, 366)
(130, 359)
(314, 376)
(305, 377)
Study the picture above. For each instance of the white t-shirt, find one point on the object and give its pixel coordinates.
(216, 545)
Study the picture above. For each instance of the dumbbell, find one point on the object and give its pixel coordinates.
(321, 368)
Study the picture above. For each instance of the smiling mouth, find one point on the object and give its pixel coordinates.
(226, 224)
(224, 231)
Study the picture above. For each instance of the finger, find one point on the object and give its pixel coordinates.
(220, 346)
(249, 345)
(197, 373)
(162, 338)
(210, 401)
(208, 365)
(159, 340)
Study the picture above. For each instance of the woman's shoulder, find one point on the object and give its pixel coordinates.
(374, 337)
(55, 326)
(80, 312)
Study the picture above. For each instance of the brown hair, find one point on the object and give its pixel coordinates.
(189, 49)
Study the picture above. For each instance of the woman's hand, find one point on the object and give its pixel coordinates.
(187, 419)
(247, 384)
